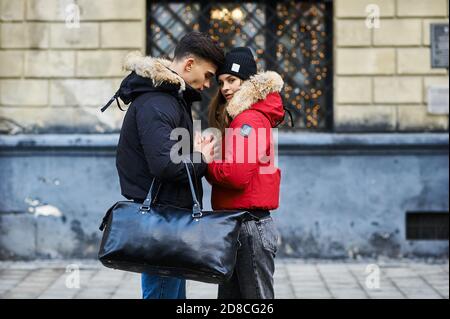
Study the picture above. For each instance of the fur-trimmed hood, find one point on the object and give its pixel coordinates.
(157, 70)
(255, 93)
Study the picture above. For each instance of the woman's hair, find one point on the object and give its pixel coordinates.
(217, 114)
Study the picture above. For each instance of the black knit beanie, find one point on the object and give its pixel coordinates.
(239, 62)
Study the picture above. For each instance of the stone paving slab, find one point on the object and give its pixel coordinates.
(294, 279)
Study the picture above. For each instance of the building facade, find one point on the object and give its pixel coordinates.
(364, 171)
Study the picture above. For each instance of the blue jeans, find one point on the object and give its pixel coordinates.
(158, 287)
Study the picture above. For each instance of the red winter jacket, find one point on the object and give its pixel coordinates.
(247, 178)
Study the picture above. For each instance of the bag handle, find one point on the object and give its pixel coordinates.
(148, 199)
(196, 209)
(144, 207)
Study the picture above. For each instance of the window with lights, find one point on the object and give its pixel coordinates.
(293, 38)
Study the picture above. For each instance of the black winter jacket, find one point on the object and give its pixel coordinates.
(160, 102)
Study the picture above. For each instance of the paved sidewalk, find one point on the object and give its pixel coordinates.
(294, 278)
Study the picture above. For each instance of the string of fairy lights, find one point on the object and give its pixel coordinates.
(300, 51)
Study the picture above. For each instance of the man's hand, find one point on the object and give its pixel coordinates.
(206, 145)
(198, 142)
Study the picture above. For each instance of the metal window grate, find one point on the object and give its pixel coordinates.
(293, 38)
(427, 225)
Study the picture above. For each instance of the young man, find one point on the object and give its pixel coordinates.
(161, 93)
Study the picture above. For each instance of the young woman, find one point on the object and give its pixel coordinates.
(245, 178)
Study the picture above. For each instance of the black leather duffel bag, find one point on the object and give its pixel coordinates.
(171, 241)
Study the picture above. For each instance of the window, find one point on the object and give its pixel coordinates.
(293, 38)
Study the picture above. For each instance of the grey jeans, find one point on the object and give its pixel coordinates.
(255, 265)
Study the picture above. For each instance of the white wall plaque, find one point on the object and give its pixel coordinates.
(438, 99)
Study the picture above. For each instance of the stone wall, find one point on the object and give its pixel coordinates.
(382, 74)
(342, 195)
(54, 77)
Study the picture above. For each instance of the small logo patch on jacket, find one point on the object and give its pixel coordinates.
(245, 130)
